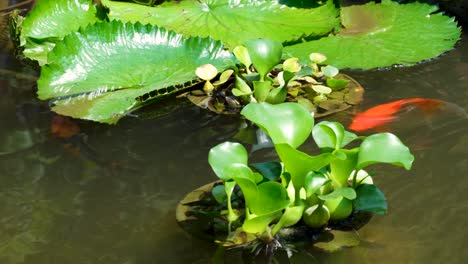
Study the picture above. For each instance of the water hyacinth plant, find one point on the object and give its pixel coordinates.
(262, 76)
(300, 189)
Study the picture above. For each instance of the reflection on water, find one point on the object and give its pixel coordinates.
(106, 194)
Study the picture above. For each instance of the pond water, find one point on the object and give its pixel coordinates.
(107, 194)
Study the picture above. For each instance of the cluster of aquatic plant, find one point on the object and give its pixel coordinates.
(98, 63)
(262, 76)
(300, 189)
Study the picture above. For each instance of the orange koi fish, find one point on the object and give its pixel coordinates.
(382, 114)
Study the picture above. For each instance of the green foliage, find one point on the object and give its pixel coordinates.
(233, 22)
(50, 21)
(327, 186)
(132, 61)
(381, 35)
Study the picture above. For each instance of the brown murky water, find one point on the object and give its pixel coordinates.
(107, 194)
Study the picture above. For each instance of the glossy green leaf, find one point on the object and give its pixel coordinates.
(287, 123)
(384, 148)
(313, 182)
(265, 54)
(224, 155)
(290, 217)
(331, 135)
(98, 72)
(370, 199)
(298, 163)
(50, 21)
(259, 224)
(381, 35)
(242, 88)
(340, 169)
(244, 177)
(232, 22)
(270, 169)
(242, 54)
(346, 192)
(272, 197)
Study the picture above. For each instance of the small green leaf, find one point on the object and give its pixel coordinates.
(370, 199)
(292, 65)
(277, 95)
(224, 155)
(206, 72)
(242, 54)
(329, 71)
(337, 84)
(272, 197)
(290, 217)
(346, 192)
(299, 163)
(328, 135)
(265, 54)
(224, 77)
(259, 224)
(244, 177)
(317, 58)
(313, 182)
(384, 148)
(242, 88)
(321, 89)
(287, 123)
(341, 168)
(270, 169)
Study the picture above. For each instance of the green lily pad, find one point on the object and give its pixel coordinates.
(50, 21)
(232, 22)
(381, 35)
(106, 70)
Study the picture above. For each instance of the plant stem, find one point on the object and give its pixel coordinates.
(354, 178)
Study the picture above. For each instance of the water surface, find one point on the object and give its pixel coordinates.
(108, 194)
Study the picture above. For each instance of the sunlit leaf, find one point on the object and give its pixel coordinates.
(288, 123)
(224, 155)
(50, 21)
(345, 192)
(272, 197)
(384, 148)
(313, 182)
(97, 73)
(232, 22)
(290, 217)
(381, 35)
(265, 54)
(342, 168)
(299, 163)
(259, 224)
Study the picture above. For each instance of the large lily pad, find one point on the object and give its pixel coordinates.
(381, 35)
(49, 21)
(232, 22)
(98, 72)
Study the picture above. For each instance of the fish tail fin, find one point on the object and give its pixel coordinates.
(428, 106)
